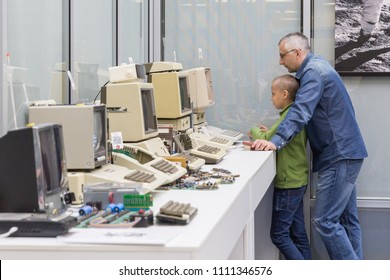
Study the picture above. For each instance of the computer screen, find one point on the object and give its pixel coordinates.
(200, 88)
(33, 168)
(99, 132)
(53, 158)
(149, 110)
(131, 110)
(84, 127)
(172, 94)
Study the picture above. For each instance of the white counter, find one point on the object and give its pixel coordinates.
(223, 228)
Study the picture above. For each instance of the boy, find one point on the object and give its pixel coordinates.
(288, 228)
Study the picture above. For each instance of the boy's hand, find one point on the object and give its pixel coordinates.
(263, 128)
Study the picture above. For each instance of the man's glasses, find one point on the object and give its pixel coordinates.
(282, 55)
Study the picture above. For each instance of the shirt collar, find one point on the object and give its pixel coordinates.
(285, 108)
(303, 65)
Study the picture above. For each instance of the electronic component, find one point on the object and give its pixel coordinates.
(176, 213)
(110, 208)
(135, 202)
(119, 207)
(122, 219)
(116, 197)
(145, 218)
(111, 220)
(85, 210)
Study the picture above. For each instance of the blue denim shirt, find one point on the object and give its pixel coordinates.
(322, 104)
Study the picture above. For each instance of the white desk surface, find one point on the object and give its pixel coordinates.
(222, 217)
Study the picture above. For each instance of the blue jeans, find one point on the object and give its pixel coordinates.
(336, 214)
(288, 231)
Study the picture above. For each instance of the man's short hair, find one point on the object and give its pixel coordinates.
(296, 40)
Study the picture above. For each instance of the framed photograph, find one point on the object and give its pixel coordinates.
(362, 37)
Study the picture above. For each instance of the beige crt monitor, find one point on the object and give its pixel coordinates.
(201, 89)
(172, 94)
(131, 110)
(84, 129)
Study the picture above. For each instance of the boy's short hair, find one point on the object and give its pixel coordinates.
(287, 82)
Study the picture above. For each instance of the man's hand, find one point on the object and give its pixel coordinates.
(263, 145)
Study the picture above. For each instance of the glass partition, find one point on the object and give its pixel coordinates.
(93, 47)
(36, 44)
(238, 40)
(132, 33)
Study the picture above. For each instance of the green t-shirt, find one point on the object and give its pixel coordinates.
(291, 160)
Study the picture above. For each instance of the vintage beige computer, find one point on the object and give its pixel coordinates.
(201, 92)
(173, 91)
(84, 129)
(85, 143)
(202, 97)
(131, 111)
(173, 103)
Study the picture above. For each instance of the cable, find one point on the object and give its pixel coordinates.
(9, 232)
(99, 92)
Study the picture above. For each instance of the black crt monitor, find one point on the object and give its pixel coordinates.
(33, 170)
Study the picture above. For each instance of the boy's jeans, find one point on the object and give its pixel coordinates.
(336, 215)
(288, 231)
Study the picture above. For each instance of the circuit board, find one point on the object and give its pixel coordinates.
(202, 180)
(122, 219)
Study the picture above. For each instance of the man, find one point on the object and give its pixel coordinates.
(323, 105)
(370, 18)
